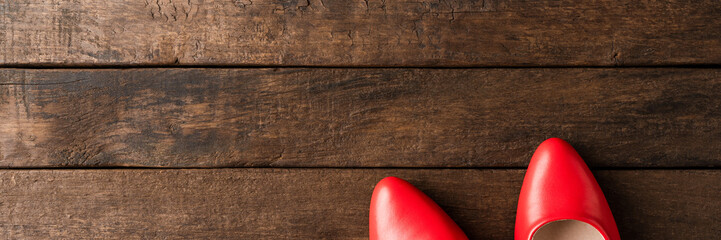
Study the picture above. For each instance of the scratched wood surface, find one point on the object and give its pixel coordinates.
(321, 203)
(360, 32)
(357, 117)
(322, 131)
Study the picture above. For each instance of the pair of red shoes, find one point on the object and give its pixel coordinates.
(560, 199)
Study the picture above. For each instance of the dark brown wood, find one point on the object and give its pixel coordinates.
(357, 117)
(360, 32)
(321, 203)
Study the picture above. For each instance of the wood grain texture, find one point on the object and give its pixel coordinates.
(321, 203)
(360, 32)
(357, 117)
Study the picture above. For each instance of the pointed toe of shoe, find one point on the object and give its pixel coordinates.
(559, 186)
(400, 211)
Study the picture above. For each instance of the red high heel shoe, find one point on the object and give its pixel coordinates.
(400, 211)
(560, 198)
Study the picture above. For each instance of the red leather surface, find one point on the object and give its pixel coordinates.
(400, 211)
(558, 185)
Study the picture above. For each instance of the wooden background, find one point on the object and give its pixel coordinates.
(255, 119)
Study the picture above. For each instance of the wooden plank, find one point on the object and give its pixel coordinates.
(360, 32)
(321, 203)
(357, 117)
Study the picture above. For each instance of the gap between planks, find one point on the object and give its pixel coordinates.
(197, 66)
